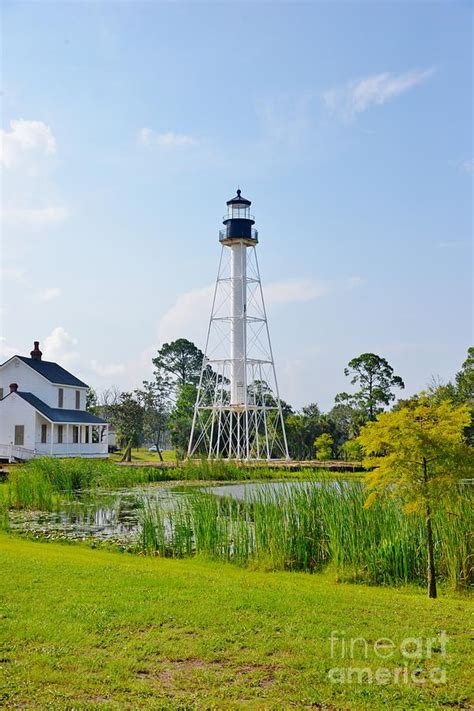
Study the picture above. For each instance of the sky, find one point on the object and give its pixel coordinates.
(126, 126)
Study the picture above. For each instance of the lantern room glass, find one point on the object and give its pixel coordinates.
(238, 211)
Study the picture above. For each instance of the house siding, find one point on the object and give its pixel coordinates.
(15, 371)
(19, 413)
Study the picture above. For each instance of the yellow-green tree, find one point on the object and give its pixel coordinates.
(419, 454)
(352, 450)
(323, 446)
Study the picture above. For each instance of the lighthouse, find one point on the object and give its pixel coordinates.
(238, 413)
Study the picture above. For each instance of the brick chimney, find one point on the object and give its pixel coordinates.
(13, 387)
(36, 353)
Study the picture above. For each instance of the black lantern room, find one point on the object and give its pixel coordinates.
(238, 221)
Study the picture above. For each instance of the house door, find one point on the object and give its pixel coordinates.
(19, 435)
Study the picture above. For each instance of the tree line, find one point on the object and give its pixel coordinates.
(165, 403)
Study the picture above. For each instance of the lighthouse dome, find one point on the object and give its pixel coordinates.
(238, 199)
(238, 221)
(238, 208)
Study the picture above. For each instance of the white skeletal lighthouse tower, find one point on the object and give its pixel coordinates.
(238, 412)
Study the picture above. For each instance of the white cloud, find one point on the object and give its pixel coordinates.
(29, 197)
(152, 139)
(19, 276)
(60, 346)
(453, 244)
(301, 290)
(48, 294)
(295, 290)
(25, 140)
(189, 315)
(358, 96)
(16, 274)
(35, 217)
(467, 165)
(6, 351)
(107, 370)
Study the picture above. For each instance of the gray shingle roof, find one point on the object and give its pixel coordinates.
(56, 414)
(53, 372)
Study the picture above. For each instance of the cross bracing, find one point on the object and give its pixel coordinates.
(238, 412)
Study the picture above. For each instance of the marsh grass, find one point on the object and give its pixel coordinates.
(307, 527)
(44, 483)
(220, 470)
(311, 527)
(223, 470)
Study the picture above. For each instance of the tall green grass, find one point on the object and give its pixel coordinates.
(42, 483)
(221, 470)
(224, 470)
(313, 526)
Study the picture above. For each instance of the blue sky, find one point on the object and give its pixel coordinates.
(126, 127)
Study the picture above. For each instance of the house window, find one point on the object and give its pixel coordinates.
(78, 399)
(1, 393)
(60, 397)
(60, 434)
(75, 434)
(87, 435)
(19, 435)
(44, 434)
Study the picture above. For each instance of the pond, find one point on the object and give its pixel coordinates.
(246, 491)
(114, 516)
(103, 515)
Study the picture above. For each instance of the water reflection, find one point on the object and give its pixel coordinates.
(103, 515)
(248, 491)
(115, 516)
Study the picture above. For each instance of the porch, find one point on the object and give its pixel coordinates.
(70, 439)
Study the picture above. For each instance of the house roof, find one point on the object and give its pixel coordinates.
(56, 414)
(53, 372)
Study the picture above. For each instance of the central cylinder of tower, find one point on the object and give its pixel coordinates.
(238, 323)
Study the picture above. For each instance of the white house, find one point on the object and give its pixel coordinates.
(43, 412)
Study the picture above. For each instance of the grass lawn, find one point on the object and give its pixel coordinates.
(84, 628)
(143, 455)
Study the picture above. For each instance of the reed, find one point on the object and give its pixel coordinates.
(220, 470)
(42, 483)
(313, 525)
